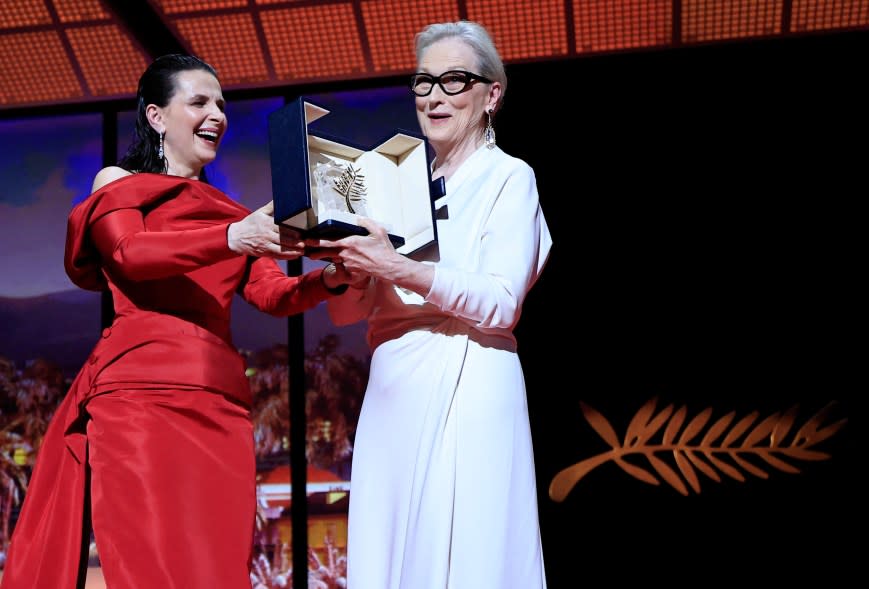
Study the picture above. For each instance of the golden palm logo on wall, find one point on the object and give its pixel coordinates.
(767, 440)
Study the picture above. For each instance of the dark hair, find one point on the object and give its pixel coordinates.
(157, 86)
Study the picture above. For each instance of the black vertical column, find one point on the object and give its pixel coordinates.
(298, 461)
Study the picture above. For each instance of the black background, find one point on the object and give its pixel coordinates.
(703, 204)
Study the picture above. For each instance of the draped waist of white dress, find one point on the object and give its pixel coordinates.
(382, 328)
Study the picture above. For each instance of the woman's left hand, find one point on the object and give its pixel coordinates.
(258, 235)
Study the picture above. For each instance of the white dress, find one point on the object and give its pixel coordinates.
(443, 491)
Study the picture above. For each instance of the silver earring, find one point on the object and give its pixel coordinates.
(160, 149)
(490, 131)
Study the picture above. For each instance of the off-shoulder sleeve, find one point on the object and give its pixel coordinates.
(113, 216)
(132, 253)
(267, 288)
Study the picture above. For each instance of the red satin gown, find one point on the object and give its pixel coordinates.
(159, 416)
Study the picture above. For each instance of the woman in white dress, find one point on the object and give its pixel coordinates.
(443, 491)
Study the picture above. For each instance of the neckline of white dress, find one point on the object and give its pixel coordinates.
(460, 172)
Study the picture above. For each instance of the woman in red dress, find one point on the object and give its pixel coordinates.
(154, 437)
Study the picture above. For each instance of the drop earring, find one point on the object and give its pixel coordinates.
(160, 149)
(490, 130)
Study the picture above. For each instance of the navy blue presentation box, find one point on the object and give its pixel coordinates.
(394, 181)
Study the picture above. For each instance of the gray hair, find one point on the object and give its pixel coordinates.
(477, 38)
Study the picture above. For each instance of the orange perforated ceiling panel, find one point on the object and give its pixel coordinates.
(109, 61)
(314, 42)
(391, 25)
(229, 42)
(523, 29)
(74, 51)
(819, 15)
(716, 20)
(604, 25)
(181, 6)
(70, 11)
(23, 13)
(49, 75)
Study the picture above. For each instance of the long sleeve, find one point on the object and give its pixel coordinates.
(514, 245)
(267, 288)
(130, 252)
(493, 242)
(352, 306)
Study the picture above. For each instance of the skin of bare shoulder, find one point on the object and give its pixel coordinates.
(108, 174)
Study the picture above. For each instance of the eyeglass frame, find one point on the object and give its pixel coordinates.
(472, 77)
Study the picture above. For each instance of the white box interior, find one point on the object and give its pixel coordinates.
(396, 180)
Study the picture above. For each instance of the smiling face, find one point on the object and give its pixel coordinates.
(193, 120)
(454, 124)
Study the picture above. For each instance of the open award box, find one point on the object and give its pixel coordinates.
(321, 184)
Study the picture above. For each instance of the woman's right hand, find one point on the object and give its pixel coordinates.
(257, 235)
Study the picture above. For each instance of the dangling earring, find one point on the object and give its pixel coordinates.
(160, 149)
(490, 130)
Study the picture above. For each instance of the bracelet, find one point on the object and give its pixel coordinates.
(340, 289)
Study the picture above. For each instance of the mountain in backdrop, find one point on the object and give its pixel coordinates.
(63, 327)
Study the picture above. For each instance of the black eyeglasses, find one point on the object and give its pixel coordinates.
(452, 82)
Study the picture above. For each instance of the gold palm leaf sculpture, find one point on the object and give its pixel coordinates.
(766, 440)
(351, 185)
